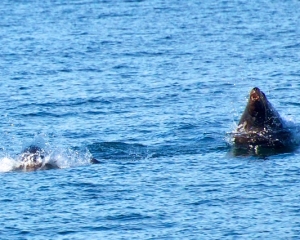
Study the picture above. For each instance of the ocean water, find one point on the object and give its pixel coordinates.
(152, 90)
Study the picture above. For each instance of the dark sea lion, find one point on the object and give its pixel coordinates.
(261, 125)
(33, 158)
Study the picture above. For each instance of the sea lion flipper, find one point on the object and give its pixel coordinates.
(94, 161)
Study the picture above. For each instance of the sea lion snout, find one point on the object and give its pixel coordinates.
(256, 95)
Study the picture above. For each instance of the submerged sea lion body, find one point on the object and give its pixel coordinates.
(33, 158)
(261, 125)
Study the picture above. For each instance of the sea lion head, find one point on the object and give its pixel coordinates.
(259, 114)
(33, 154)
(33, 158)
(256, 107)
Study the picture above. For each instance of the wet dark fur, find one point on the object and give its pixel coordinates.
(32, 158)
(261, 125)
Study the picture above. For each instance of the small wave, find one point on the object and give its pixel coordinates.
(118, 150)
(121, 151)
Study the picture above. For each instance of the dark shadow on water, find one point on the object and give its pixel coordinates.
(259, 151)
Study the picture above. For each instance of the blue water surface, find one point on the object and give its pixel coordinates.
(151, 89)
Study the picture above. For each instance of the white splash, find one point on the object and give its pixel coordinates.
(7, 164)
(47, 157)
